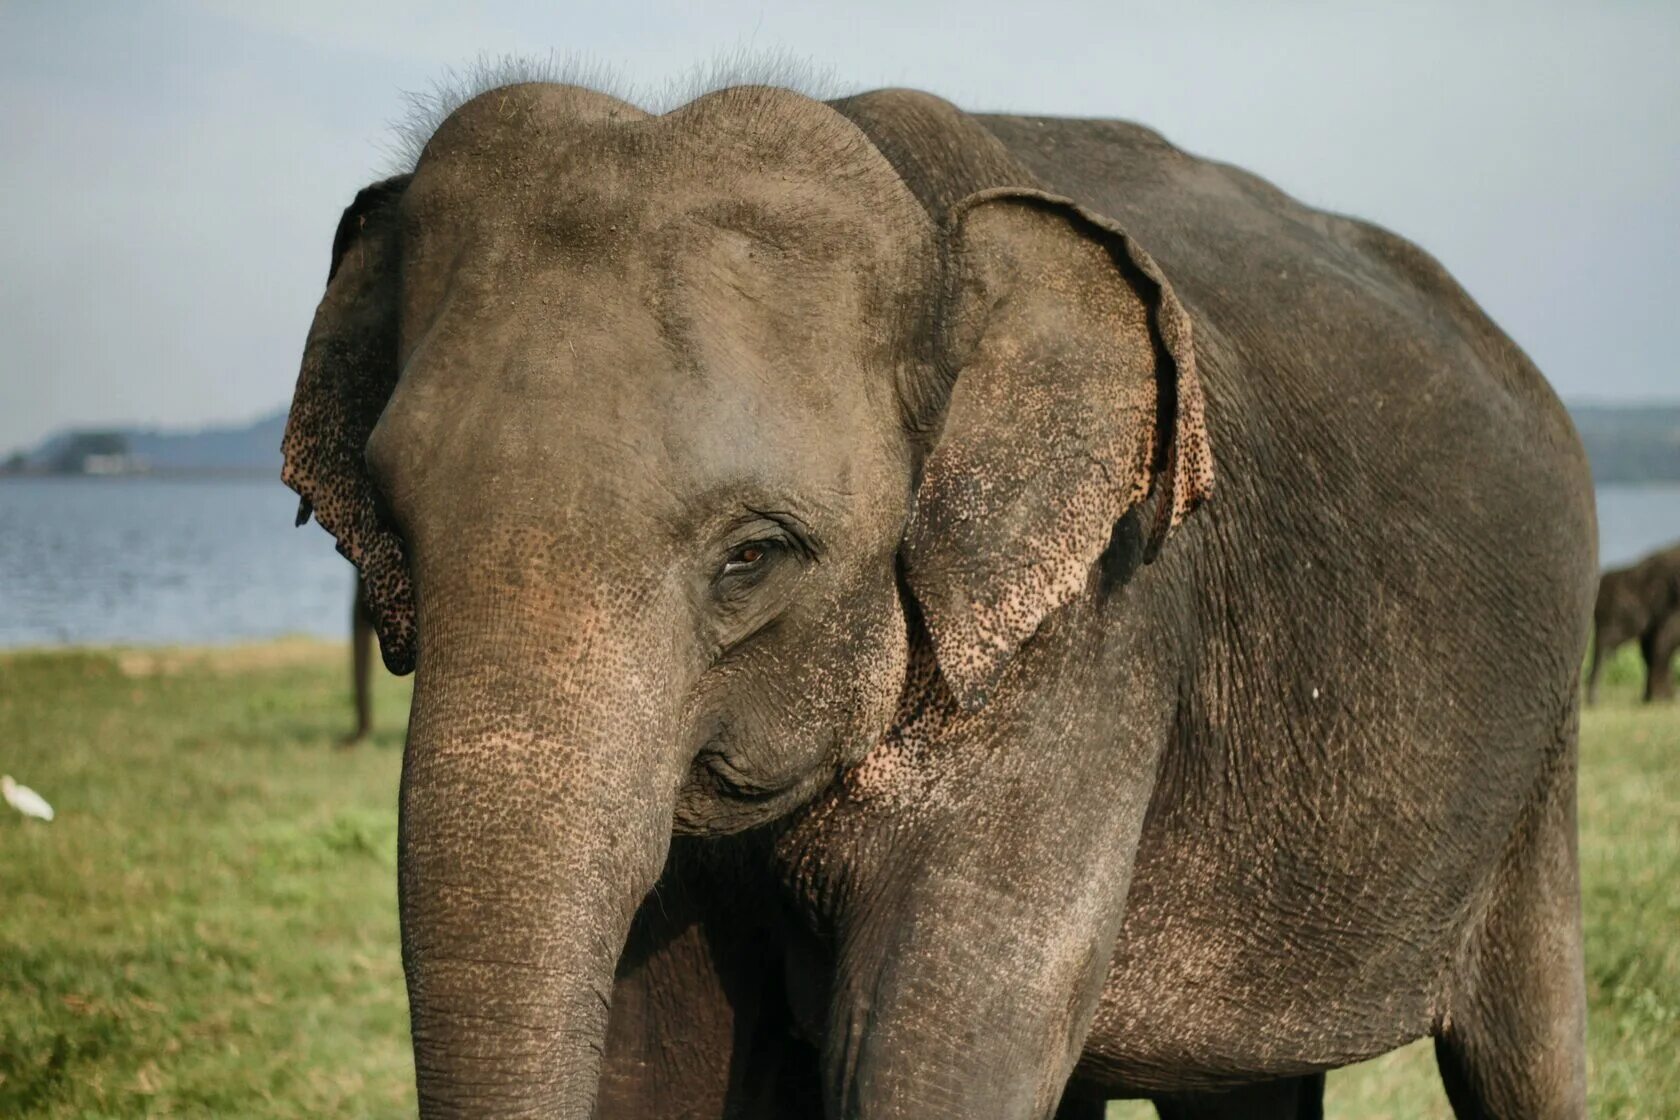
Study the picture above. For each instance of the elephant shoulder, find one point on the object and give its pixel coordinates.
(1352, 312)
(1409, 270)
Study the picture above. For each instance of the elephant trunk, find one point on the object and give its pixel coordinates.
(536, 814)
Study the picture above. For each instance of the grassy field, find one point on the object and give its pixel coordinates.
(209, 928)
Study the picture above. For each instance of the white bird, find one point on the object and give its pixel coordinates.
(24, 799)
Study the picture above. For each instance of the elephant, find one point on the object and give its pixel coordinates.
(1643, 602)
(919, 613)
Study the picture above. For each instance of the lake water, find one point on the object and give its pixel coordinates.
(144, 560)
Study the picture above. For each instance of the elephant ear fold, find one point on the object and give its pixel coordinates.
(1075, 400)
(349, 370)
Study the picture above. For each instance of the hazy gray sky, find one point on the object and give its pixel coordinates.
(171, 172)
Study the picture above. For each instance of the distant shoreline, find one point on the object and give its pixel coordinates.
(1628, 444)
(142, 657)
(168, 474)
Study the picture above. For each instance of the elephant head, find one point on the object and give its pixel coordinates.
(649, 434)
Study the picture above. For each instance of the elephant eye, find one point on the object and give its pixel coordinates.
(749, 563)
(748, 557)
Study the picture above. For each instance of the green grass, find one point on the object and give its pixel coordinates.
(209, 928)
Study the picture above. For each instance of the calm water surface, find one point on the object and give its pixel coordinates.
(213, 560)
(141, 560)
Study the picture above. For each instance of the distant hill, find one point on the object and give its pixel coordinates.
(1626, 443)
(246, 448)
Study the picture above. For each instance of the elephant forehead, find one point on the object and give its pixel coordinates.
(658, 388)
(630, 300)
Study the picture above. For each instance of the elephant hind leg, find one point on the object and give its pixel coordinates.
(361, 665)
(1081, 1108)
(1657, 647)
(1513, 1043)
(1291, 1098)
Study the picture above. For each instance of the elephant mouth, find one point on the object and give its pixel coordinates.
(722, 796)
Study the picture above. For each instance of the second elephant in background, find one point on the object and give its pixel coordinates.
(1640, 602)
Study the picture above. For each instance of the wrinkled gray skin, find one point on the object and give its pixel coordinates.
(1640, 603)
(773, 505)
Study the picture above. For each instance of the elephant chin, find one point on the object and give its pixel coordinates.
(526, 846)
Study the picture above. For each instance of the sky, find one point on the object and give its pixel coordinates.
(171, 173)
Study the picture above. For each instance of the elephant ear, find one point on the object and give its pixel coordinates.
(349, 370)
(1075, 399)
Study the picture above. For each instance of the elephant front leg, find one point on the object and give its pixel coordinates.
(676, 1019)
(968, 976)
(698, 1028)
